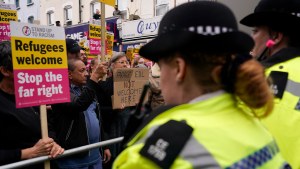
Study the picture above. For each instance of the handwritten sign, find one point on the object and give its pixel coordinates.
(128, 86)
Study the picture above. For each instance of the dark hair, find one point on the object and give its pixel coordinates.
(250, 84)
(71, 64)
(5, 57)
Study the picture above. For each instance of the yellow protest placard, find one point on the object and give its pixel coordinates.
(8, 15)
(95, 31)
(108, 2)
(109, 43)
(39, 64)
(38, 53)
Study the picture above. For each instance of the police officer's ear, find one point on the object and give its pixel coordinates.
(216, 74)
(181, 69)
(277, 37)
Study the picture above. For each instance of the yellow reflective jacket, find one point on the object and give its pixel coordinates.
(284, 122)
(223, 137)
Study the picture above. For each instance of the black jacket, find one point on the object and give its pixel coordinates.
(281, 56)
(19, 129)
(68, 120)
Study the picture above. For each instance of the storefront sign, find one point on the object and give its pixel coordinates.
(140, 28)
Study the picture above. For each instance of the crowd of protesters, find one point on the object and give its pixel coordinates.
(209, 103)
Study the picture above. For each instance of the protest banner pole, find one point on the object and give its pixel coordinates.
(103, 34)
(44, 125)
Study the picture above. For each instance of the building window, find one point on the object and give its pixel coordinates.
(50, 17)
(29, 2)
(17, 3)
(161, 7)
(94, 7)
(30, 19)
(68, 13)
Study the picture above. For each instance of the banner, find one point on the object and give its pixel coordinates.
(95, 39)
(89, 37)
(128, 86)
(80, 33)
(109, 2)
(109, 43)
(40, 65)
(7, 13)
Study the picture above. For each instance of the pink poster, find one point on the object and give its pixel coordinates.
(41, 86)
(95, 46)
(4, 31)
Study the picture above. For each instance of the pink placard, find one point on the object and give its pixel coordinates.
(95, 45)
(41, 86)
(4, 31)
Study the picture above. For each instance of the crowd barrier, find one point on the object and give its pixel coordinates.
(66, 153)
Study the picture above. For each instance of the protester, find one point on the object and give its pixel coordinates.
(20, 128)
(114, 120)
(78, 123)
(117, 12)
(73, 49)
(205, 72)
(155, 98)
(83, 56)
(97, 15)
(93, 65)
(278, 22)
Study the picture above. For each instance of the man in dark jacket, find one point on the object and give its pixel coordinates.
(78, 123)
(20, 128)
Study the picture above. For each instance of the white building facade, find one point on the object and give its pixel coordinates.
(70, 12)
(28, 10)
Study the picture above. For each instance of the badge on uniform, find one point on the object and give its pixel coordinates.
(279, 82)
(166, 142)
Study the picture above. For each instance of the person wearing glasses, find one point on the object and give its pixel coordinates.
(114, 121)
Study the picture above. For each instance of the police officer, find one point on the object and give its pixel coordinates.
(202, 72)
(278, 21)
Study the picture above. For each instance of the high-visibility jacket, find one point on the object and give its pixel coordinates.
(284, 122)
(223, 136)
